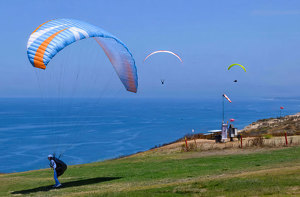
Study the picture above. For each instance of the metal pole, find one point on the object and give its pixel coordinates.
(223, 109)
(286, 141)
(241, 141)
(280, 113)
(186, 145)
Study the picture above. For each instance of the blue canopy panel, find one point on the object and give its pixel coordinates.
(54, 35)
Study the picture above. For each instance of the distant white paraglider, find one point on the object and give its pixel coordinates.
(162, 51)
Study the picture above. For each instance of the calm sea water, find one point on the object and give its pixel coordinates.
(86, 130)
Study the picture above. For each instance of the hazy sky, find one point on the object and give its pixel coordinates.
(264, 36)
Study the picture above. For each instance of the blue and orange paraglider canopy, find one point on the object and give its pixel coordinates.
(52, 36)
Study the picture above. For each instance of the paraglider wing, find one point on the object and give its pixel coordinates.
(236, 65)
(162, 51)
(54, 35)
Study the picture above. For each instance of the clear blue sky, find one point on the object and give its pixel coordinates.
(264, 36)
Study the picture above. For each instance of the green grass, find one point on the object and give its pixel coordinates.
(273, 172)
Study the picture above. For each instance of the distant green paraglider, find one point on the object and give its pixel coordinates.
(237, 65)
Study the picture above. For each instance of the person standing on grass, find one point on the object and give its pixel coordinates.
(53, 166)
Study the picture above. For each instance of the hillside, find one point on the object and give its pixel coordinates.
(274, 126)
(164, 173)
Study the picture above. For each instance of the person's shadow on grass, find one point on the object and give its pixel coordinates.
(67, 184)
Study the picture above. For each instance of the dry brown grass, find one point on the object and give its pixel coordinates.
(204, 145)
(274, 126)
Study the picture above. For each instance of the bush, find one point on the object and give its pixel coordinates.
(191, 147)
(258, 141)
(268, 136)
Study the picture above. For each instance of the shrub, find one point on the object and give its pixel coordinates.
(268, 136)
(258, 141)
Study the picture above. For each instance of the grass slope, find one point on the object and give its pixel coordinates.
(272, 172)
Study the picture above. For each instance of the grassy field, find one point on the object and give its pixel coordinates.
(153, 173)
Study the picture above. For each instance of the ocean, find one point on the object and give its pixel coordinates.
(88, 130)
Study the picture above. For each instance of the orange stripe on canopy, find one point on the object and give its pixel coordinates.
(39, 55)
(40, 26)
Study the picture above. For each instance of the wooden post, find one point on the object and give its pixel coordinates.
(186, 145)
(286, 141)
(241, 141)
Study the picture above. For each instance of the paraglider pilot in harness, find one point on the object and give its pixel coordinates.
(58, 166)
